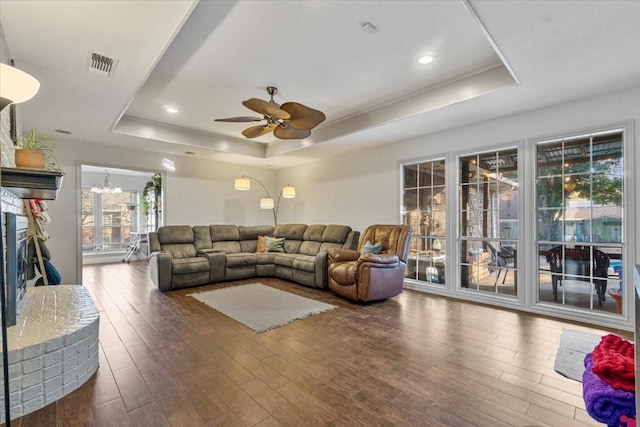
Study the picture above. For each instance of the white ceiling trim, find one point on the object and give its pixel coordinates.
(460, 90)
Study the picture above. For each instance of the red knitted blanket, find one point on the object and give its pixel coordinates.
(613, 362)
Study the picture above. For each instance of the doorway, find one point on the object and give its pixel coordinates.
(118, 208)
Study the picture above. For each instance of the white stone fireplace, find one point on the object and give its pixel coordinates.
(53, 348)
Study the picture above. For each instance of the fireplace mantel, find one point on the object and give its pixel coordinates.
(31, 183)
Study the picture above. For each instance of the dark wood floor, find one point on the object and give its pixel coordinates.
(414, 360)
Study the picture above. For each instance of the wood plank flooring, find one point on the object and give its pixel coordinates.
(414, 360)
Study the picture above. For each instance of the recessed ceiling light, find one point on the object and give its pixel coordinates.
(189, 152)
(426, 59)
(171, 110)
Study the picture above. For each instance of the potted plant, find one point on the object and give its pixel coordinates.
(36, 152)
(150, 198)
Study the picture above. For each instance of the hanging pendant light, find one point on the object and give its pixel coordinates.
(107, 186)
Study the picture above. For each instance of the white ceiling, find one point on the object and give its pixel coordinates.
(493, 58)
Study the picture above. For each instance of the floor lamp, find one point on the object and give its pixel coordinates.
(15, 87)
(287, 192)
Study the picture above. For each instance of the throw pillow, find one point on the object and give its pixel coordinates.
(274, 244)
(370, 248)
(262, 245)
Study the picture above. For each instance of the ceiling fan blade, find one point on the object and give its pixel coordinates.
(266, 108)
(256, 131)
(240, 119)
(302, 117)
(287, 132)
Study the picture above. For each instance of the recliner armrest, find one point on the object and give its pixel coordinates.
(342, 255)
(381, 260)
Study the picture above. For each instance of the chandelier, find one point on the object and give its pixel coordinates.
(107, 186)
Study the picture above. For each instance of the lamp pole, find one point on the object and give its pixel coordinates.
(274, 210)
(274, 207)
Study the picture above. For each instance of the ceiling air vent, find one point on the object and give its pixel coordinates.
(100, 64)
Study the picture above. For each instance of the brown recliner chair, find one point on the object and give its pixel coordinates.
(371, 277)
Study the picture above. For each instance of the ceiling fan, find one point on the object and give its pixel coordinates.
(290, 120)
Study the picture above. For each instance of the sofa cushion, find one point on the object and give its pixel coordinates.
(249, 246)
(309, 247)
(189, 265)
(336, 233)
(202, 237)
(180, 250)
(240, 260)
(175, 234)
(290, 231)
(285, 260)
(222, 232)
(292, 246)
(305, 263)
(252, 232)
(274, 244)
(266, 258)
(314, 232)
(229, 247)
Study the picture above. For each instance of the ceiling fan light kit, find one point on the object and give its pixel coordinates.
(290, 120)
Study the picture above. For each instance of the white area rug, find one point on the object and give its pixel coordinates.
(574, 346)
(261, 307)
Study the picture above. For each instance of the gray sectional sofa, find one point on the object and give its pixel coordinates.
(182, 256)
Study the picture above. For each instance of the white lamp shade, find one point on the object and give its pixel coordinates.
(242, 184)
(288, 191)
(16, 85)
(266, 203)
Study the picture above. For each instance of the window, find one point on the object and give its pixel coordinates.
(423, 202)
(107, 220)
(489, 225)
(579, 186)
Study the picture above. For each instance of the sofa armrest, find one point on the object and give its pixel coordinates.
(160, 269)
(322, 270)
(351, 241)
(154, 242)
(342, 255)
(217, 263)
